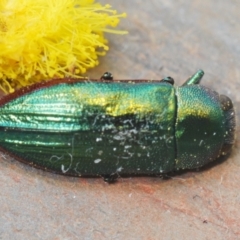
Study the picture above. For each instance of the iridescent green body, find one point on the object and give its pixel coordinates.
(93, 128)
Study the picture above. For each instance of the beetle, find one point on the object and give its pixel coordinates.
(109, 128)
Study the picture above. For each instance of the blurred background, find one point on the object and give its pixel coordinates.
(166, 38)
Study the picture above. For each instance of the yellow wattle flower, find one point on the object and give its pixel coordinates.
(44, 39)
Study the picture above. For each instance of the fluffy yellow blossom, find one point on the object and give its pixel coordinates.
(42, 39)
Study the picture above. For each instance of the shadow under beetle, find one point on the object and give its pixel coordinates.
(111, 128)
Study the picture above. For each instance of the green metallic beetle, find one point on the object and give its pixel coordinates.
(108, 128)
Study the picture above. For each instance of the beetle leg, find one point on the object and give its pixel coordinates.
(168, 80)
(107, 76)
(195, 78)
(110, 178)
